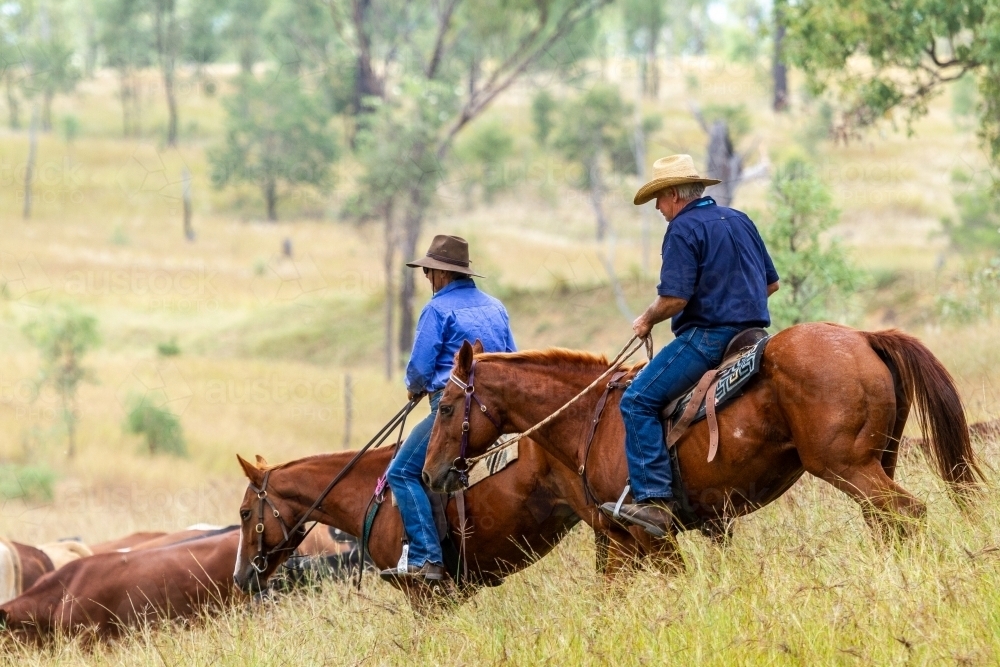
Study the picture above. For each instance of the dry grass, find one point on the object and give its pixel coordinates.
(266, 343)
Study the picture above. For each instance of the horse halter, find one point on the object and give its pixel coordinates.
(262, 498)
(461, 464)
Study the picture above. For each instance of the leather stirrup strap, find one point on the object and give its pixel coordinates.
(463, 529)
(713, 422)
(700, 391)
(598, 411)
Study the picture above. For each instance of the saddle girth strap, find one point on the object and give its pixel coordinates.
(598, 411)
(707, 381)
(463, 528)
(713, 422)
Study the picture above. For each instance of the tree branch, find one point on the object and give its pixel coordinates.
(480, 99)
(444, 23)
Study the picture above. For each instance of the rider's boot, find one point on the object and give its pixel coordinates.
(656, 516)
(429, 573)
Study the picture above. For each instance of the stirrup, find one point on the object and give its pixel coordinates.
(617, 514)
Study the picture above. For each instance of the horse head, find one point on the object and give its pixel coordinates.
(269, 528)
(469, 419)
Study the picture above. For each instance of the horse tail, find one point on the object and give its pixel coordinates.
(928, 383)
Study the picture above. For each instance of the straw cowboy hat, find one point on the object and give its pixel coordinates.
(669, 171)
(448, 253)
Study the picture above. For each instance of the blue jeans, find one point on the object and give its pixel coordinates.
(411, 496)
(674, 370)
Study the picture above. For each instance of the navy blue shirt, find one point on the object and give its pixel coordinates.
(714, 258)
(457, 312)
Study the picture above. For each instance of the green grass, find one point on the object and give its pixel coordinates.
(267, 343)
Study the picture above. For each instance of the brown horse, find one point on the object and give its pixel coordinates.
(499, 541)
(829, 400)
(106, 593)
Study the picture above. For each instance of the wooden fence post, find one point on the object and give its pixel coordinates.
(348, 408)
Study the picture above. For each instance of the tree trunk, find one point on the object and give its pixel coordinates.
(597, 197)
(168, 87)
(389, 264)
(13, 105)
(186, 196)
(366, 83)
(165, 47)
(124, 96)
(723, 163)
(29, 169)
(639, 145)
(271, 196)
(652, 69)
(70, 418)
(779, 70)
(411, 235)
(47, 111)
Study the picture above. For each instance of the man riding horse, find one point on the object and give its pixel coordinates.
(457, 312)
(715, 281)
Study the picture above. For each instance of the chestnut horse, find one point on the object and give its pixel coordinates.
(829, 400)
(514, 516)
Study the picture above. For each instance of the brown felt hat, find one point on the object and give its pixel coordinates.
(448, 253)
(669, 171)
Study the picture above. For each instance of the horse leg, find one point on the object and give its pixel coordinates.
(888, 508)
(622, 552)
(719, 530)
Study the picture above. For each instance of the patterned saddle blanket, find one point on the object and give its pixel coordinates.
(732, 380)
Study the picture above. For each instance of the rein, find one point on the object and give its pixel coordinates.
(462, 465)
(262, 556)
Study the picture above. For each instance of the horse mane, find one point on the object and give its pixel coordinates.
(554, 356)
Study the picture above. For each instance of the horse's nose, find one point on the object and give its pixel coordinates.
(426, 478)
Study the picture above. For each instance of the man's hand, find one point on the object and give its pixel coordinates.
(415, 396)
(662, 309)
(642, 326)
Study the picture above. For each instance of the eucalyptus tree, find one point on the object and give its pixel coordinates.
(47, 49)
(911, 50)
(436, 67)
(125, 35)
(276, 138)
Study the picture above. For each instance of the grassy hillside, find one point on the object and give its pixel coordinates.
(266, 342)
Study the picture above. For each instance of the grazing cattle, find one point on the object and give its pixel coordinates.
(20, 567)
(127, 542)
(109, 592)
(65, 551)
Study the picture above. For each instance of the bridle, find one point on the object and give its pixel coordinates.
(461, 465)
(299, 529)
(263, 499)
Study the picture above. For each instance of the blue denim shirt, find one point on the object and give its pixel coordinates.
(714, 258)
(458, 312)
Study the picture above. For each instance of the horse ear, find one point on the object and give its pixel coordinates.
(250, 470)
(477, 347)
(261, 461)
(465, 358)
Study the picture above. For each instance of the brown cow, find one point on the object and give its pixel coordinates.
(127, 542)
(108, 592)
(31, 564)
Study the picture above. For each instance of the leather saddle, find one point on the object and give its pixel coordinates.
(741, 361)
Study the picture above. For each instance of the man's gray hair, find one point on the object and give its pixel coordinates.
(688, 190)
